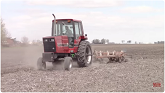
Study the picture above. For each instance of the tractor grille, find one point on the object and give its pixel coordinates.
(49, 44)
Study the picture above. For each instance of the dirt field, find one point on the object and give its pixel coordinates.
(19, 74)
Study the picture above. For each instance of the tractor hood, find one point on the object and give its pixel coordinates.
(59, 40)
(57, 44)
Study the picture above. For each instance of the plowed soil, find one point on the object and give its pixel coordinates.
(19, 73)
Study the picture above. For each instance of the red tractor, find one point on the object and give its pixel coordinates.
(67, 41)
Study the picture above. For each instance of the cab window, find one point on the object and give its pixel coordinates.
(80, 29)
(77, 30)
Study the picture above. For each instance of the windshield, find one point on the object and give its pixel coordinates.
(63, 28)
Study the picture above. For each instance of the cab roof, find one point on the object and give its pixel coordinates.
(68, 19)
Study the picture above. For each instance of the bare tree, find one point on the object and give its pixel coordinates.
(4, 33)
(103, 41)
(25, 40)
(129, 41)
(96, 41)
(107, 40)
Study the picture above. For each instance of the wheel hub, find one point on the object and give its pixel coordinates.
(70, 66)
(88, 55)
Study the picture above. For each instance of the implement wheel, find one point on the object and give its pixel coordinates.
(84, 54)
(120, 59)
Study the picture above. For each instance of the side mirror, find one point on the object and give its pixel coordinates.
(85, 34)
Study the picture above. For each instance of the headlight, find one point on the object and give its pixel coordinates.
(45, 40)
(52, 40)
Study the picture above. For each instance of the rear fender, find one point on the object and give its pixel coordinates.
(77, 41)
(83, 37)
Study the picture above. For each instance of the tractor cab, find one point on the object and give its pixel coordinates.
(65, 37)
(68, 27)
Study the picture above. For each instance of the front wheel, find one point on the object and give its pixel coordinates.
(67, 63)
(41, 65)
(84, 54)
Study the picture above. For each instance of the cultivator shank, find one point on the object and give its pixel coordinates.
(112, 56)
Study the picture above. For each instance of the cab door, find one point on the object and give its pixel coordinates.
(78, 33)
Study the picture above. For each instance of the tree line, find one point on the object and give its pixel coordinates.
(106, 41)
(6, 39)
(102, 41)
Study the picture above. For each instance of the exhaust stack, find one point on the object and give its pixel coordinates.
(54, 26)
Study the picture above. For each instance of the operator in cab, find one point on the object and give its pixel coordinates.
(68, 32)
(70, 36)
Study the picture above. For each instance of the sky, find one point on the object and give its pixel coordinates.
(116, 20)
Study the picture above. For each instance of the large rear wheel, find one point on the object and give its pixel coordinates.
(84, 54)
